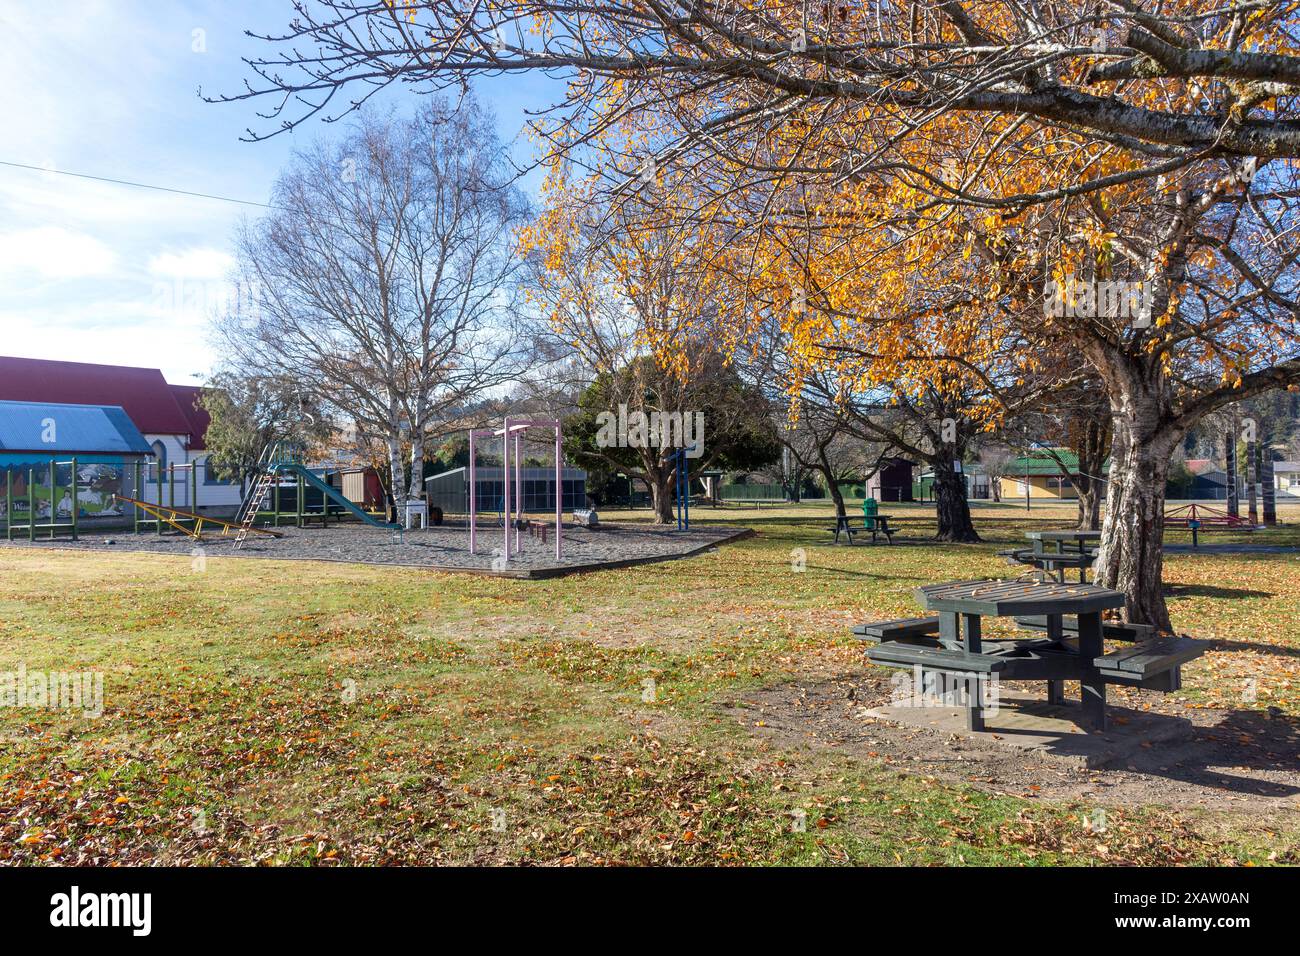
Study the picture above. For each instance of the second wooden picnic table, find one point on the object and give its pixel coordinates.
(1068, 549)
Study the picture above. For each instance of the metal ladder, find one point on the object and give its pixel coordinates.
(255, 502)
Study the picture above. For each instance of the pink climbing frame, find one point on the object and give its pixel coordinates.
(514, 429)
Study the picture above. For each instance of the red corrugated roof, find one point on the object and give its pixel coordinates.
(143, 392)
(187, 397)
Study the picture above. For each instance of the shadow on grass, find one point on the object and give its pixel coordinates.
(1213, 591)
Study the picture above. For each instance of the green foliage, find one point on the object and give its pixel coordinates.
(251, 411)
(738, 431)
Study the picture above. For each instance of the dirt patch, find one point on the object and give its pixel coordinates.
(1233, 760)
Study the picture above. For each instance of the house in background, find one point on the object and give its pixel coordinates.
(1043, 476)
(1286, 478)
(167, 416)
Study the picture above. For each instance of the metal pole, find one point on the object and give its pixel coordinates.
(505, 482)
(74, 499)
(9, 504)
(31, 504)
(473, 496)
(519, 493)
(559, 491)
(54, 511)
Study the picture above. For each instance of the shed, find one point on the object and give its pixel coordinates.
(37, 438)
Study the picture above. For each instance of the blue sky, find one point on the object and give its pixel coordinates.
(95, 272)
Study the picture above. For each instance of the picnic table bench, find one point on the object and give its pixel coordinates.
(875, 525)
(1068, 643)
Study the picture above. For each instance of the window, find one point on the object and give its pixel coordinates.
(160, 454)
(211, 471)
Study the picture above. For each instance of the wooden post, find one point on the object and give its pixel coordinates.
(1230, 457)
(1252, 482)
(1269, 480)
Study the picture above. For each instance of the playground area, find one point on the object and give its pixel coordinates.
(444, 548)
(263, 711)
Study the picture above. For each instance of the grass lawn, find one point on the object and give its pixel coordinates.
(300, 713)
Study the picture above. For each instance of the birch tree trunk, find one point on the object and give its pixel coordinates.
(397, 481)
(1131, 556)
(417, 465)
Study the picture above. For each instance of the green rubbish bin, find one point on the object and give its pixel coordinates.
(869, 512)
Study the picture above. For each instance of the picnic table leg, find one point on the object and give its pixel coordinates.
(1092, 685)
(974, 712)
(1055, 631)
(949, 630)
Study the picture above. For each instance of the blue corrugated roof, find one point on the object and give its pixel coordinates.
(28, 426)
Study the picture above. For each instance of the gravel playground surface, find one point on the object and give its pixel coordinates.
(443, 548)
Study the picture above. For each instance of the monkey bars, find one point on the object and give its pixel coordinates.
(514, 510)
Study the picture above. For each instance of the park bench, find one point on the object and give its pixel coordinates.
(942, 659)
(1153, 664)
(904, 629)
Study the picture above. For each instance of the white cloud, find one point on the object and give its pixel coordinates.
(193, 264)
(51, 252)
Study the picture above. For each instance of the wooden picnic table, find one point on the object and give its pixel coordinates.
(1069, 549)
(963, 604)
(874, 525)
(1066, 645)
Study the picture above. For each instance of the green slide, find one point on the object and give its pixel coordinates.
(293, 468)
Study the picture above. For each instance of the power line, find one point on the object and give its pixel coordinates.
(126, 182)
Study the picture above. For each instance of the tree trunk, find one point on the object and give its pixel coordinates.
(951, 507)
(1089, 482)
(1089, 506)
(1131, 557)
(832, 485)
(417, 466)
(397, 480)
(661, 497)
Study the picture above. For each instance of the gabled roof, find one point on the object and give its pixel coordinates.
(187, 397)
(50, 428)
(142, 392)
(1042, 465)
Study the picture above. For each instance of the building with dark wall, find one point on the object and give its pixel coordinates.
(450, 490)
